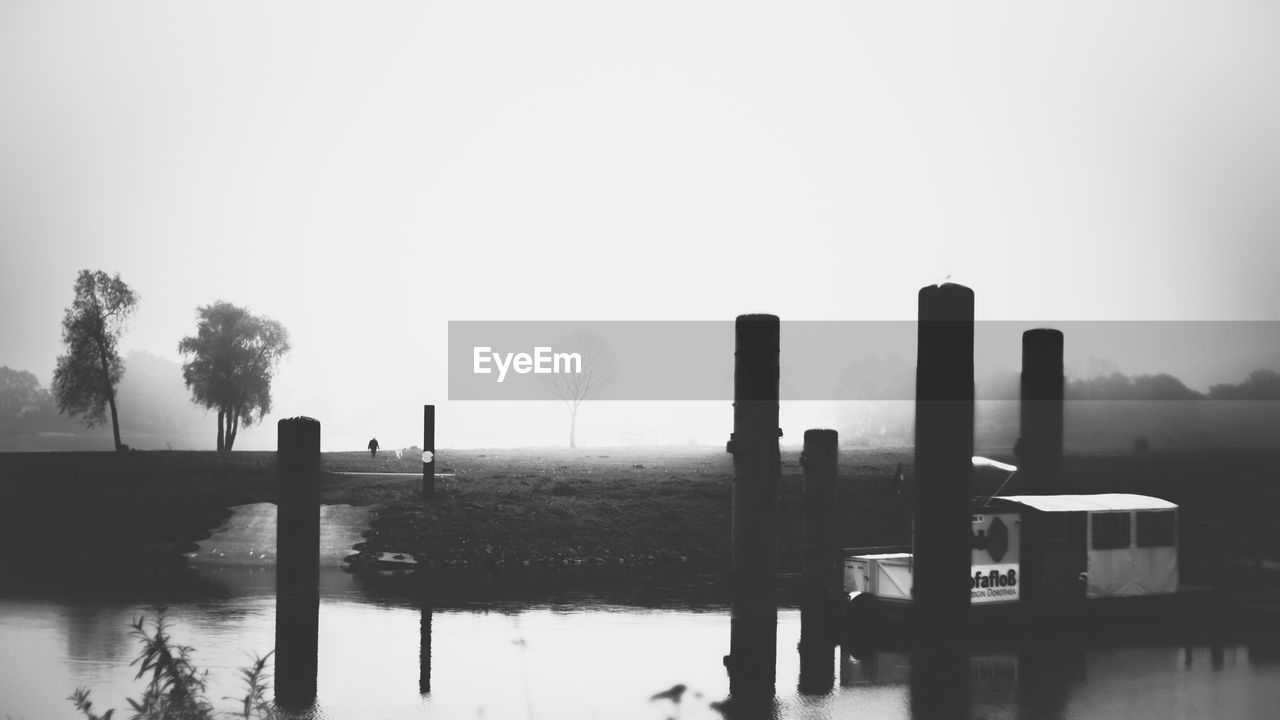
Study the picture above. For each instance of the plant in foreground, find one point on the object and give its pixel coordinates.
(176, 688)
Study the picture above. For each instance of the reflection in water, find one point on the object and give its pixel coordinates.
(297, 636)
(424, 646)
(1045, 676)
(939, 681)
(817, 647)
(1070, 681)
(1264, 647)
(751, 665)
(589, 659)
(297, 591)
(98, 630)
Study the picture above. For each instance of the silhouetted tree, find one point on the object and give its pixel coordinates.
(20, 395)
(232, 357)
(84, 382)
(26, 408)
(572, 388)
(1262, 385)
(1118, 386)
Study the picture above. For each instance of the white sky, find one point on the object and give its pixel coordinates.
(365, 173)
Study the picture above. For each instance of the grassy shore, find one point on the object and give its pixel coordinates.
(549, 507)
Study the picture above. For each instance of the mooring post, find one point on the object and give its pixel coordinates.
(943, 460)
(756, 471)
(821, 563)
(1040, 441)
(428, 451)
(298, 560)
(944, 479)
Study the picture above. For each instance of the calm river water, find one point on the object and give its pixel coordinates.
(574, 656)
(553, 652)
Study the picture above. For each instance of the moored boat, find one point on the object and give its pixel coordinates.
(1044, 563)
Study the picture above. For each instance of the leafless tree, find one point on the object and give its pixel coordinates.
(597, 370)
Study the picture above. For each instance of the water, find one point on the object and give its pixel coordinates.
(546, 650)
(584, 660)
(578, 659)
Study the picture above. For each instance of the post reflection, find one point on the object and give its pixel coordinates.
(751, 664)
(1045, 676)
(297, 633)
(818, 629)
(426, 609)
(939, 682)
(1036, 682)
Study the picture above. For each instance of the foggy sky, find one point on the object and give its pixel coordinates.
(364, 174)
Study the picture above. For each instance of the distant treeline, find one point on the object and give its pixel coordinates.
(893, 379)
(159, 405)
(1108, 411)
(1260, 385)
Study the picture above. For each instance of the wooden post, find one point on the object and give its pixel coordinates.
(1040, 444)
(298, 560)
(756, 472)
(821, 564)
(943, 461)
(428, 452)
(944, 479)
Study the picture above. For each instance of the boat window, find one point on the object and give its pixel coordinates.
(1156, 529)
(1110, 530)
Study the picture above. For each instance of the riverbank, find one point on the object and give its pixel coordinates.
(496, 508)
(615, 507)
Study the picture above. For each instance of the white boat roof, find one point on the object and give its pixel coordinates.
(1090, 503)
(881, 556)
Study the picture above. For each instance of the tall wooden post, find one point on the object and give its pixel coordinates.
(428, 452)
(1040, 444)
(821, 563)
(944, 479)
(298, 560)
(756, 472)
(943, 460)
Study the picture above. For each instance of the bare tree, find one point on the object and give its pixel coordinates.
(597, 370)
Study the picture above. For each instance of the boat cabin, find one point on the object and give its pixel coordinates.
(1051, 548)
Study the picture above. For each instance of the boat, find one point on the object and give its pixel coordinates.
(1067, 563)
